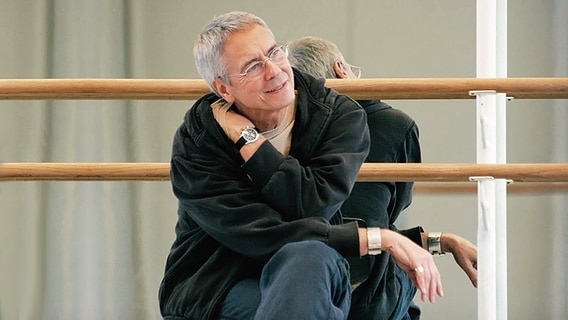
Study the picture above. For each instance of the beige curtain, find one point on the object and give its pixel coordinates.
(85, 250)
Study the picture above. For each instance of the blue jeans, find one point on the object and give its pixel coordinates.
(406, 309)
(395, 304)
(303, 280)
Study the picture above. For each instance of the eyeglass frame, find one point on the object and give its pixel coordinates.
(262, 64)
(356, 71)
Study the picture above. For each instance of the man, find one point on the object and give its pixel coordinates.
(260, 168)
(386, 291)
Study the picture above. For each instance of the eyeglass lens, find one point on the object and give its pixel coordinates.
(276, 56)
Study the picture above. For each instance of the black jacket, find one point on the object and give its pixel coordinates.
(233, 217)
(394, 139)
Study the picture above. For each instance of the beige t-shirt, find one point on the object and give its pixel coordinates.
(280, 137)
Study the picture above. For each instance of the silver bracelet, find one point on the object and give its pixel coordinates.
(374, 241)
(435, 243)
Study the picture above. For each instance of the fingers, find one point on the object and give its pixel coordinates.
(470, 268)
(465, 255)
(418, 264)
(428, 282)
(472, 274)
(419, 279)
(468, 263)
(435, 288)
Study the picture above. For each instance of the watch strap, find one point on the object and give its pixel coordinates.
(240, 143)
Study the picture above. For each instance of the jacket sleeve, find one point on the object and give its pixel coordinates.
(315, 185)
(411, 154)
(380, 203)
(413, 234)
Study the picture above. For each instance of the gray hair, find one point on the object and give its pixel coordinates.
(208, 47)
(314, 56)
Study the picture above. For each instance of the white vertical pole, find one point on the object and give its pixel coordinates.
(486, 226)
(501, 153)
(486, 290)
(491, 148)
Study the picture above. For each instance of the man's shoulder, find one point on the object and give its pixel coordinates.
(197, 120)
(306, 84)
(379, 112)
(316, 96)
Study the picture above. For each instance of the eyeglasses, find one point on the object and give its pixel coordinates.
(356, 71)
(255, 69)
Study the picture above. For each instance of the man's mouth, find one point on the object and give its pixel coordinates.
(277, 88)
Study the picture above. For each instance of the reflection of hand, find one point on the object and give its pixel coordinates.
(416, 262)
(464, 252)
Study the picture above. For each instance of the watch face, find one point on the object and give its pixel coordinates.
(250, 134)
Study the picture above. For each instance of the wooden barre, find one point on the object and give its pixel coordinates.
(191, 89)
(439, 172)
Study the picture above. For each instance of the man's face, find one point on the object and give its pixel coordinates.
(272, 89)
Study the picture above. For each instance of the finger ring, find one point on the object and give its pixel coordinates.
(419, 269)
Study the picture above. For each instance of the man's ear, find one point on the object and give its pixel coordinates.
(339, 69)
(223, 89)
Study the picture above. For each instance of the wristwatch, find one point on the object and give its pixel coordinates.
(248, 135)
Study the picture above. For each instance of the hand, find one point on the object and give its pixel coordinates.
(231, 122)
(416, 262)
(464, 252)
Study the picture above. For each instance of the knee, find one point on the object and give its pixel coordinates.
(312, 247)
(310, 253)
